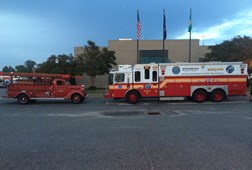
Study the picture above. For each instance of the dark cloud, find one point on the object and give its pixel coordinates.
(37, 29)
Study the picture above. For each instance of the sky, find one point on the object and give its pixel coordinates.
(36, 29)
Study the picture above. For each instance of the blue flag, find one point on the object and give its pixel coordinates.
(164, 27)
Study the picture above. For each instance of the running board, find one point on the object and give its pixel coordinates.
(171, 98)
(47, 98)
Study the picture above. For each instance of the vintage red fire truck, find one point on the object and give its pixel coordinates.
(177, 81)
(28, 87)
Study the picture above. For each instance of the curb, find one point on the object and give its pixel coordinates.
(95, 95)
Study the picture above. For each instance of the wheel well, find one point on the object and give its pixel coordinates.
(136, 91)
(198, 90)
(17, 96)
(76, 93)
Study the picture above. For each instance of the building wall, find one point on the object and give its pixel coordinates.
(178, 50)
(126, 53)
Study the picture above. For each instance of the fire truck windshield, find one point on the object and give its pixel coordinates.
(119, 77)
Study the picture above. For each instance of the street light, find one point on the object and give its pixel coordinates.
(57, 62)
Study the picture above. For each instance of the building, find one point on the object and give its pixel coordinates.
(150, 51)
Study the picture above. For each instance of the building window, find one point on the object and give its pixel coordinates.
(153, 56)
(137, 76)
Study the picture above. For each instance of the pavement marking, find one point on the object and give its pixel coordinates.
(125, 103)
(145, 149)
(177, 103)
(176, 113)
(209, 103)
(96, 113)
(246, 117)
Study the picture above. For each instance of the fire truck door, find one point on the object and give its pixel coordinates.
(150, 80)
(60, 88)
(122, 83)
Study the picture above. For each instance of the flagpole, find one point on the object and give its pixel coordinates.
(163, 51)
(137, 51)
(190, 46)
(138, 35)
(164, 35)
(190, 34)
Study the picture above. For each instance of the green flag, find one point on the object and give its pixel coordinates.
(190, 22)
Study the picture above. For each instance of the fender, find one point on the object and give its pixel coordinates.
(68, 96)
(22, 92)
(211, 88)
(133, 90)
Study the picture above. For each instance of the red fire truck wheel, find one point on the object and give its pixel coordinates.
(199, 96)
(132, 97)
(217, 95)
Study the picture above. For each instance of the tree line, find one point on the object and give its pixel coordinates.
(237, 49)
(93, 61)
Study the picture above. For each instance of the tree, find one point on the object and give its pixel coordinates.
(21, 68)
(237, 49)
(95, 61)
(29, 64)
(66, 64)
(8, 69)
(27, 67)
(107, 59)
(49, 66)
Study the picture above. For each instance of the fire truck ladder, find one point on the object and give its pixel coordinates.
(63, 76)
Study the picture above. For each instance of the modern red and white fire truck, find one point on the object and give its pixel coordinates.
(28, 87)
(177, 81)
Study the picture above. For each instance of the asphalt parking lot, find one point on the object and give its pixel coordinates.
(111, 134)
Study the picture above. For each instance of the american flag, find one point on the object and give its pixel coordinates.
(138, 26)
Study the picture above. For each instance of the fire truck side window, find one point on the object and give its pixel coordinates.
(147, 73)
(137, 76)
(154, 76)
(119, 77)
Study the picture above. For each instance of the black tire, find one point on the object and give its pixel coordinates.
(23, 99)
(132, 97)
(199, 96)
(77, 98)
(217, 95)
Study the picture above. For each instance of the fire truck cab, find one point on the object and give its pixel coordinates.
(177, 81)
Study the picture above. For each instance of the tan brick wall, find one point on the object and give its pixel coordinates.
(178, 50)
